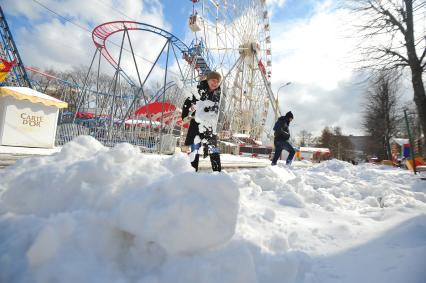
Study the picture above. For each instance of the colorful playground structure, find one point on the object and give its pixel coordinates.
(402, 153)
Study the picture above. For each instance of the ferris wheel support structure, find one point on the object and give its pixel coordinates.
(236, 35)
(271, 96)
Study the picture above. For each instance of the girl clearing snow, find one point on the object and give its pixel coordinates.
(204, 110)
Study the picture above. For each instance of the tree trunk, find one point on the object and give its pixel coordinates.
(416, 69)
(388, 149)
(420, 100)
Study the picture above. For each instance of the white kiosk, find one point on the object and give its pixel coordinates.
(28, 118)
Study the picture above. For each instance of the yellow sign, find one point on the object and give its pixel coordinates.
(31, 120)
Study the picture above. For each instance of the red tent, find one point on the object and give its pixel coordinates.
(84, 115)
(155, 109)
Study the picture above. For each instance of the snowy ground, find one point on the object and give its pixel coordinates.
(89, 214)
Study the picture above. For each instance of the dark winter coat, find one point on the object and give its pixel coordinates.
(193, 130)
(281, 128)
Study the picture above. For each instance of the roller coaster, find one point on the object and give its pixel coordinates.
(141, 104)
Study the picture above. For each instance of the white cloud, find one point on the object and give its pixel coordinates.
(315, 54)
(278, 3)
(22, 8)
(312, 51)
(52, 42)
(319, 56)
(45, 46)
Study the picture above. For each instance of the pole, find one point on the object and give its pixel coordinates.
(277, 109)
(164, 97)
(83, 89)
(410, 138)
(113, 109)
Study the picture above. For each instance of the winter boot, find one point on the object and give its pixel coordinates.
(215, 161)
(195, 162)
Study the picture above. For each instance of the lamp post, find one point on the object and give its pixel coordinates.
(276, 100)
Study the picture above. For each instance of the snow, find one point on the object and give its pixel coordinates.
(228, 143)
(93, 214)
(207, 119)
(241, 136)
(400, 141)
(5, 149)
(141, 122)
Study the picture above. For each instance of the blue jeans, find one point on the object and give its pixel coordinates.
(279, 146)
(214, 154)
(196, 146)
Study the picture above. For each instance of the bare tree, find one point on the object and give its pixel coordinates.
(305, 138)
(382, 112)
(394, 37)
(340, 146)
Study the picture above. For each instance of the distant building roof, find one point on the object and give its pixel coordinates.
(25, 93)
(237, 135)
(400, 141)
(314, 149)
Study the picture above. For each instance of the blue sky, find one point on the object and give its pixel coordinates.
(175, 13)
(309, 48)
(42, 39)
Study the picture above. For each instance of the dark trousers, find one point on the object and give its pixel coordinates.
(279, 146)
(214, 158)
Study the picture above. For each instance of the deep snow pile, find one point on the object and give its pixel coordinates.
(92, 214)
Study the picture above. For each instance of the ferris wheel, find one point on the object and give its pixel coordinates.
(235, 37)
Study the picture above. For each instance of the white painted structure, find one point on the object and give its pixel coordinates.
(28, 118)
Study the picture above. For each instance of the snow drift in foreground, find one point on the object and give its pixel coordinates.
(92, 214)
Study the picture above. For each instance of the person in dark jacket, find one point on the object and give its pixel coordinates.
(204, 111)
(281, 137)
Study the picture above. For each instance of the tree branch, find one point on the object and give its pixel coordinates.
(380, 9)
(422, 56)
(394, 53)
(394, 21)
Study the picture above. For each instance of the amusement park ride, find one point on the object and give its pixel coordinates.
(8, 51)
(143, 100)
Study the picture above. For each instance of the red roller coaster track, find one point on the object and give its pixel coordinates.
(102, 32)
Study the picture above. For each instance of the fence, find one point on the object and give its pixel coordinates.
(147, 141)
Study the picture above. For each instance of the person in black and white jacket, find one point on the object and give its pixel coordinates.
(203, 111)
